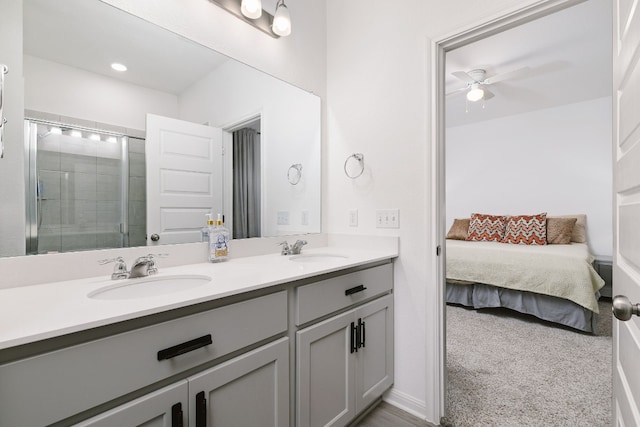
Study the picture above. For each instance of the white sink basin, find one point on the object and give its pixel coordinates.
(148, 287)
(316, 257)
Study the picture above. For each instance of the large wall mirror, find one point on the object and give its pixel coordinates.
(116, 157)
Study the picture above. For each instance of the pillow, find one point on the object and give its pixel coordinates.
(559, 230)
(459, 230)
(579, 233)
(486, 228)
(526, 230)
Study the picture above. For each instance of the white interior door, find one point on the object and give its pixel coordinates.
(184, 178)
(626, 266)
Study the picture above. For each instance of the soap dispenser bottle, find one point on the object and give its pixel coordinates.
(204, 233)
(218, 241)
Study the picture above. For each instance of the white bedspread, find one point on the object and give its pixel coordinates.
(563, 271)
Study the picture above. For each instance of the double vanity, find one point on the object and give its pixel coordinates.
(266, 340)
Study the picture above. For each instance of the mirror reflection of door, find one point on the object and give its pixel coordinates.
(246, 181)
(184, 179)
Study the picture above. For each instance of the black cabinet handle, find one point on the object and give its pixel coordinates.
(185, 347)
(354, 345)
(176, 415)
(354, 290)
(362, 332)
(201, 410)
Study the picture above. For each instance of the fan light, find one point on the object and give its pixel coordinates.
(282, 20)
(476, 93)
(251, 8)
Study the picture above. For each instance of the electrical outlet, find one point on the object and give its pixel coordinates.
(283, 218)
(388, 218)
(353, 217)
(304, 218)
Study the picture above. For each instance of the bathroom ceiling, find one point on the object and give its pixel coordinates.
(91, 35)
(569, 58)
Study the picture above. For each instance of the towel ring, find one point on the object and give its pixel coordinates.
(294, 178)
(360, 158)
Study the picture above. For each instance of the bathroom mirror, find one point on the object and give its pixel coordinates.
(88, 192)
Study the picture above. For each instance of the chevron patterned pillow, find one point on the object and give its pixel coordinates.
(486, 228)
(526, 230)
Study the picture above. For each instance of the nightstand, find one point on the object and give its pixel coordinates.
(603, 265)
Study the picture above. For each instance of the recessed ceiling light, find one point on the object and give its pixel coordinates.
(119, 67)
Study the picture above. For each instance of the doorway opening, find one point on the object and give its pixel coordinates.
(443, 50)
(243, 173)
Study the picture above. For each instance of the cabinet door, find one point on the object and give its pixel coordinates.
(166, 407)
(374, 366)
(249, 390)
(326, 377)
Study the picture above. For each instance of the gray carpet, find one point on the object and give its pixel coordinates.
(508, 369)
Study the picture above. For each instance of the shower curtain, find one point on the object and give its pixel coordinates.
(246, 184)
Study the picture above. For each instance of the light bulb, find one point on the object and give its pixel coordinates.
(476, 93)
(119, 67)
(282, 20)
(251, 8)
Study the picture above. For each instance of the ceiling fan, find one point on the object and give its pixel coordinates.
(477, 81)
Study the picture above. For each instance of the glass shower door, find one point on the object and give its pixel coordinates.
(76, 181)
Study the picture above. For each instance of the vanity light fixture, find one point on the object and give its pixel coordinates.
(282, 20)
(250, 11)
(119, 67)
(476, 93)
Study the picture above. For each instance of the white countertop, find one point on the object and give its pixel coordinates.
(32, 313)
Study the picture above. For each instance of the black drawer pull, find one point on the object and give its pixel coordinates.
(354, 290)
(176, 415)
(185, 347)
(201, 410)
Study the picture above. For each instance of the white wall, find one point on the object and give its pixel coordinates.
(290, 126)
(378, 104)
(556, 160)
(67, 91)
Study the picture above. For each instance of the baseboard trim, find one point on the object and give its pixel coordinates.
(407, 403)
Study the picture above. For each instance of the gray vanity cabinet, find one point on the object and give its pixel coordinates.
(325, 373)
(344, 364)
(166, 407)
(250, 390)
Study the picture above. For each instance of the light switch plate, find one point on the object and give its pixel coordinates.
(353, 217)
(388, 218)
(283, 218)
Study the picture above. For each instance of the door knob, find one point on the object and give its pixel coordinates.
(623, 309)
(155, 237)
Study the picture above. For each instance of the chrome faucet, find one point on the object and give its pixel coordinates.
(297, 246)
(286, 250)
(119, 270)
(143, 266)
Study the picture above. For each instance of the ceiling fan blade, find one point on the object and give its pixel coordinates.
(456, 91)
(463, 76)
(487, 93)
(520, 72)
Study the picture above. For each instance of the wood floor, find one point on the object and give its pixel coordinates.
(385, 415)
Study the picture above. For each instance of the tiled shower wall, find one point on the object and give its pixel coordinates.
(137, 193)
(81, 196)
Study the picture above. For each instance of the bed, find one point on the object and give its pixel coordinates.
(554, 282)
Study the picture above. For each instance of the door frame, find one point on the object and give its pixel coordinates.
(438, 48)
